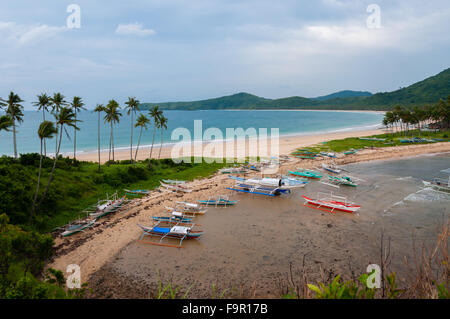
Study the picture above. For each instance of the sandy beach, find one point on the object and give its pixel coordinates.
(286, 145)
(96, 247)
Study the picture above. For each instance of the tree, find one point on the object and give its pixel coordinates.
(77, 105)
(155, 114)
(5, 123)
(112, 116)
(132, 105)
(65, 117)
(43, 104)
(15, 111)
(141, 122)
(57, 102)
(46, 130)
(163, 126)
(99, 108)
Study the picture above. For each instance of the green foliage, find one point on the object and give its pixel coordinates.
(338, 289)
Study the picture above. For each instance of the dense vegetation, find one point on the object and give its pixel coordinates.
(418, 94)
(342, 94)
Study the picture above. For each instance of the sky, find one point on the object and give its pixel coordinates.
(184, 50)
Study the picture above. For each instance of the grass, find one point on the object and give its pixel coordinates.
(354, 143)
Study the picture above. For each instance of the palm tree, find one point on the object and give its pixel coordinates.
(132, 105)
(141, 122)
(57, 102)
(112, 117)
(43, 104)
(5, 123)
(99, 108)
(163, 125)
(15, 111)
(65, 117)
(155, 114)
(46, 130)
(77, 105)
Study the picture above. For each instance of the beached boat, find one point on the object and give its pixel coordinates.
(173, 182)
(177, 232)
(343, 180)
(375, 139)
(441, 184)
(259, 189)
(331, 168)
(175, 217)
(108, 206)
(332, 155)
(331, 203)
(137, 191)
(350, 152)
(281, 183)
(177, 187)
(306, 174)
(233, 170)
(221, 200)
(77, 227)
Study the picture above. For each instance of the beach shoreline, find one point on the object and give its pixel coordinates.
(287, 144)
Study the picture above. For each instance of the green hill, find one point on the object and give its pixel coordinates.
(424, 92)
(342, 94)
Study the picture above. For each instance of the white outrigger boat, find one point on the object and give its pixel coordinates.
(186, 208)
(173, 182)
(176, 187)
(108, 206)
(279, 183)
(77, 226)
(331, 168)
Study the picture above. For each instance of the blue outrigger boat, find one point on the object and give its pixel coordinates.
(259, 190)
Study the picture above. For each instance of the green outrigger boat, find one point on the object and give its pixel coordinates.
(344, 180)
(307, 174)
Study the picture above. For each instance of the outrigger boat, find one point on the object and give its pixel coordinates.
(344, 180)
(306, 174)
(259, 189)
(222, 201)
(331, 203)
(178, 187)
(77, 227)
(188, 208)
(108, 206)
(137, 191)
(173, 182)
(372, 139)
(233, 170)
(281, 183)
(175, 217)
(331, 168)
(177, 232)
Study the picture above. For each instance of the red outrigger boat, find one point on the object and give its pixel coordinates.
(331, 203)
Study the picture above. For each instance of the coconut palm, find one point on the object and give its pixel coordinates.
(77, 105)
(57, 102)
(163, 126)
(46, 130)
(112, 116)
(141, 122)
(99, 108)
(65, 117)
(155, 114)
(43, 103)
(15, 111)
(132, 105)
(5, 123)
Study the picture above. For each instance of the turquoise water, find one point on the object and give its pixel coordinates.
(288, 122)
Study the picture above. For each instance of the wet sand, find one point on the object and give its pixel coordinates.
(263, 234)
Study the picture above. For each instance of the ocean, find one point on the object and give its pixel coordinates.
(288, 123)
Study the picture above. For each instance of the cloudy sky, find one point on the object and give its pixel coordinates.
(181, 50)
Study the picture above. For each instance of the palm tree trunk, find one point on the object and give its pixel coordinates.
(112, 135)
(75, 139)
(99, 165)
(110, 143)
(45, 143)
(160, 147)
(53, 167)
(151, 149)
(139, 142)
(14, 138)
(131, 139)
(37, 186)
